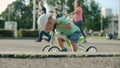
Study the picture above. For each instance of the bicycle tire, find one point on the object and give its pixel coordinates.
(91, 49)
(81, 48)
(45, 48)
(54, 48)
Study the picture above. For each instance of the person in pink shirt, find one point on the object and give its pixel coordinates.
(78, 17)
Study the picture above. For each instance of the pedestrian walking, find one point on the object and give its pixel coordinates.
(78, 18)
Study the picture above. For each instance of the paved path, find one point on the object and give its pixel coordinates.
(93, 62)
(31, 45)
(105, 45)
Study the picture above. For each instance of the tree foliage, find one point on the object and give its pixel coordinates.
(105, 22)
(58, 3)
(93, 17)
(91, 11)
(1, 23)
(22, 13)
(19, 12)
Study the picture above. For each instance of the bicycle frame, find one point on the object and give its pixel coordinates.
(51, 46)
(67, 41)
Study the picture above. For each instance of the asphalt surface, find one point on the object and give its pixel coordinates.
(30, 46)
(93, 62)
(33, 46)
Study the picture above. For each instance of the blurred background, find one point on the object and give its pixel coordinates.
(18, 18)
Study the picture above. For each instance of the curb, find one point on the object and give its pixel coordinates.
(14, 54)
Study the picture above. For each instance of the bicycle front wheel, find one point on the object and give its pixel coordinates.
(45, 48)
(91, 49)
(54, 49)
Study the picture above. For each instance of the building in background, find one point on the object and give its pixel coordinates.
(106, 12)
(11, 25)
(113, 24)
(119, 21)
(113, 21)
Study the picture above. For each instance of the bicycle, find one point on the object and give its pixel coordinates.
(52, 48)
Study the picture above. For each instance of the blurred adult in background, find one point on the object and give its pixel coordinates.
(42, 8)
(56, 13)
(42, 32)
(78, 17)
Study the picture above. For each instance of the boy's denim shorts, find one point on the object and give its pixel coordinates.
(74, 37)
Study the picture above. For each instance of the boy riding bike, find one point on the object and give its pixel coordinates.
(66, 27)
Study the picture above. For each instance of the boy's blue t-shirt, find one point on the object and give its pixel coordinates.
(67, 32)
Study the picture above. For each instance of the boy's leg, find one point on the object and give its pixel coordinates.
(46, 34)
(40, 36)
(62, 45)
(60, 42)
(74, 39)
(43, 33)
(74, 46)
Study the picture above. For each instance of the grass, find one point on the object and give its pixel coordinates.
(118, 37)
(101, 37)
(98, 37)
(54, 56)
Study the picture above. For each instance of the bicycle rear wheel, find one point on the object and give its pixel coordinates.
(45, 48)
(91, 49)
(54, 49)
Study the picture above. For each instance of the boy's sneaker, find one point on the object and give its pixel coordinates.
(64, 50)
(38, 40)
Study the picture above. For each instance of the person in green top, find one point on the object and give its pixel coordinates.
(66, 27)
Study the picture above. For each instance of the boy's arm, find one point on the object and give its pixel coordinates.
(66, 26)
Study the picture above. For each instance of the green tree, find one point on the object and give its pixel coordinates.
(22, 13)
(19, 12)
(105, 22)
(93, 17)
(58, 3)
(1, 23)
(91, 11)
(70, 4)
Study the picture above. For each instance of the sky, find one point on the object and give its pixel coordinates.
(4, 4)
(113, 4)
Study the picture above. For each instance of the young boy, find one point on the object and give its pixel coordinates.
(68, 29)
